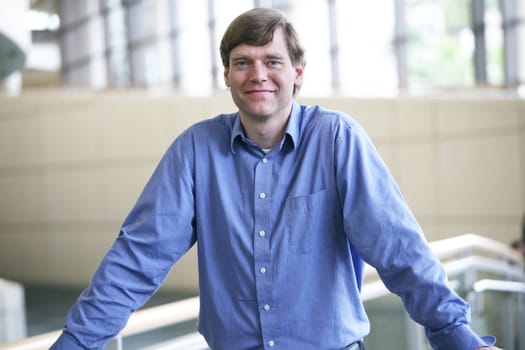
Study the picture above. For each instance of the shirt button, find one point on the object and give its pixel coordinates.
(265, 160)
(271, 343)
(266, 307)
(262, 195)
(262, 233)
(262, 270)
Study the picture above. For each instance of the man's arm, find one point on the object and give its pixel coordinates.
(386, 235)
(156, 233)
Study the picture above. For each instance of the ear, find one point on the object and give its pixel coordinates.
(299, 73)
(226, 76)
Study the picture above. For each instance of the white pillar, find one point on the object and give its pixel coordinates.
(520, 15)
(148, 25)
(83, 44)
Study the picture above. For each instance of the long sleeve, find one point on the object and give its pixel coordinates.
(381, 226)
(157, 232)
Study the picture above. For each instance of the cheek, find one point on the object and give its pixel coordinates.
(235, 81)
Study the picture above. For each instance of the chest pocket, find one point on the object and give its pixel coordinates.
(308, 219)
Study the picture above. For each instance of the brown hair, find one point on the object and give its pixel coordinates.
(256, 27)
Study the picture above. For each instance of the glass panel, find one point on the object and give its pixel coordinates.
(501, 314)
(440, 43)
(195, 62)
(494, 42)
(367, 57)
(385, 314)
(118, 60)
(310, 19)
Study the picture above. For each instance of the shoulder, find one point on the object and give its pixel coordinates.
(209, 129)
(208, 132)
(338, 121)
(221, 122)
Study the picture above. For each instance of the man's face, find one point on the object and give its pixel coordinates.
(262, 78)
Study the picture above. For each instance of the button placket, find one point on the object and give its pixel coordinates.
(262, 253)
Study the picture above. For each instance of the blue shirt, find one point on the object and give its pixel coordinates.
(281, 237)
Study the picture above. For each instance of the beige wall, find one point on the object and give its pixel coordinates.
(71, 167)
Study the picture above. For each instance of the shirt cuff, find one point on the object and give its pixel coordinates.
(460, 338)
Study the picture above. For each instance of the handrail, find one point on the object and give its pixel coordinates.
(139, 322)
(481, 263)
(490, 285)
(192, 341)
(450, 247)
(185, 310)
(374, 289)
(161, 316)
(37, 342)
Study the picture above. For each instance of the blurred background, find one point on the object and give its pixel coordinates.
(373, 48)
(93, 92)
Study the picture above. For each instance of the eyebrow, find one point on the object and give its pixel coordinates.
(239, 57)
(276, 56)
(247, 57)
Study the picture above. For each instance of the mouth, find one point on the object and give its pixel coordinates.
(259, 92)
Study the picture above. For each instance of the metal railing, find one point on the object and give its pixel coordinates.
(463, 257)
(139, 322)
(509, 298)
(12, 311)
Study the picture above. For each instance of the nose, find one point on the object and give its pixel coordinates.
(259, 72)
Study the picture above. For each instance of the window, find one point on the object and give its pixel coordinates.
(440, 44)
(353, 48)
(117, 58)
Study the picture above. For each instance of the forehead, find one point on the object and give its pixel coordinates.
(276, 47)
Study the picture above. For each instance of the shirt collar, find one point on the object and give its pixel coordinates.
(292, 129)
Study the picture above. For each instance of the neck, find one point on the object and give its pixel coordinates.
(265, 133)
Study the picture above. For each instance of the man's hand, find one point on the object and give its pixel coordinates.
(489, 348)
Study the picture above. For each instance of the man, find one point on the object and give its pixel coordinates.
(284, 201)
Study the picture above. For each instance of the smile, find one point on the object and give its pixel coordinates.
(259, 92)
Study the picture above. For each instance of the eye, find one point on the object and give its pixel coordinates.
(241, 63)
(274, 63)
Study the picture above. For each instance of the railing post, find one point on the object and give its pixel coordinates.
(115, 344)
(521, 323)
(508, 320)
(415, 334)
